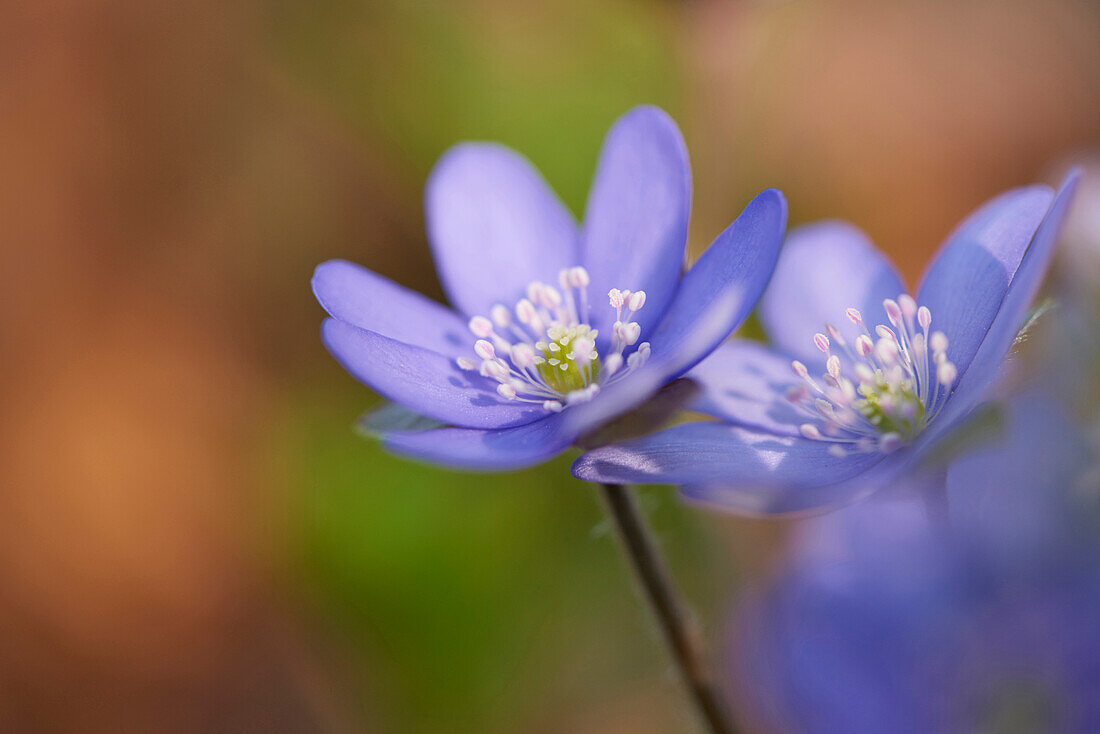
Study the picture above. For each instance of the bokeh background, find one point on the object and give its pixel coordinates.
(191, 536)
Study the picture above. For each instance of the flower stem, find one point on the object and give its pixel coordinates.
(672, 613)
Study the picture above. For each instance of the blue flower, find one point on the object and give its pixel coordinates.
(897, 372)
(891, 618)
(532, 356)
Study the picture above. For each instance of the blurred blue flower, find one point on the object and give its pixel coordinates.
(548, 359)
(788, 441)
(892, 618)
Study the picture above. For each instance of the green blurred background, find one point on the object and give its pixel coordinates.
(192, 538)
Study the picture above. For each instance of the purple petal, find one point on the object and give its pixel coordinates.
(713, 299)
(824, 269)
(391, 417)
(493, 450)
(365, 299)
(654, 413)
(870, 473)
(1012, 494)
(746, 383)
(612, 401)
(494, 227)
(967, 281)
(635, 227)
(762, 472)
(422, 380)
(734, 269)
(985, 365)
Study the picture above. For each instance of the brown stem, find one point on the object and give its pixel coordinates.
(673, 615)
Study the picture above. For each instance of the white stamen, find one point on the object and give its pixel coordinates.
(918, 346)
(582, 396)
(631, 332)
(525, 311)
(946, 373)
(550, 297)
(484, 349)
(640, 356)
(924, 317)
(523, 356)
(494, 369)
(893, 311)
(502, 317)
(903, 376)
(847, 390)
(546, 353)
(889, 442)
(481, 326)
(908, 306)
(584, 349)
(886, 351)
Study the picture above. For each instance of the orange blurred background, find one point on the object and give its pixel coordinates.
(173, 556)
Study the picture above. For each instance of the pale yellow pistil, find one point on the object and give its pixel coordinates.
(562, 368)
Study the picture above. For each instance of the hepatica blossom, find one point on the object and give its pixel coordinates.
(861, 378)
(555, 328)
(980, 617)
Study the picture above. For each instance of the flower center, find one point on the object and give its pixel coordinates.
(544, 351)
(565, 367)
(901, 378)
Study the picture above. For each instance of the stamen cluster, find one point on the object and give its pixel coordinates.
(544, 351)
(901, 378)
